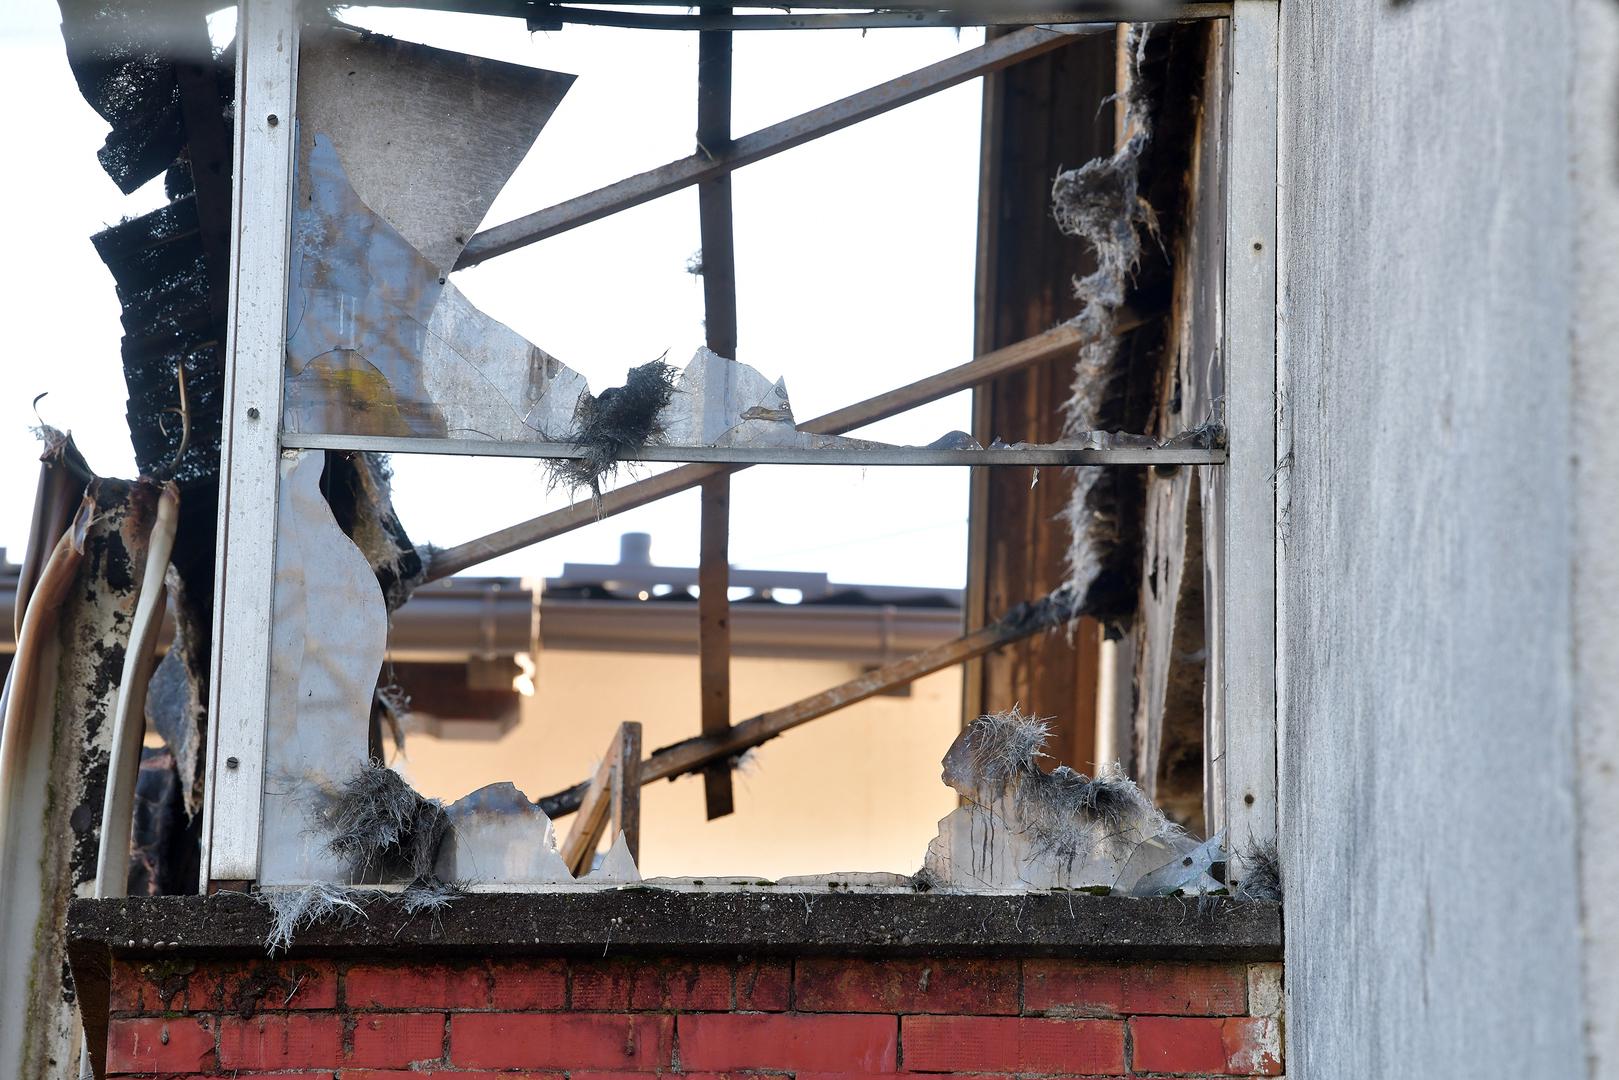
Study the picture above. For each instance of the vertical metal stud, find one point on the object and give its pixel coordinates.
(261, 217)
(1245, 765)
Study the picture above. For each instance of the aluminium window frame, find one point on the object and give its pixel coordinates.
(1241, 754)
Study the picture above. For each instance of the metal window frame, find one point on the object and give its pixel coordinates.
(1243, 762)
(1241, 789)
(249, 468)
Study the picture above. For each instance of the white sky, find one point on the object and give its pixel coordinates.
(854, 266)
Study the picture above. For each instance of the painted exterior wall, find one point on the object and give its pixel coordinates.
(774, 1018)
(856, 790)
(1596, 516)
(1446, 535)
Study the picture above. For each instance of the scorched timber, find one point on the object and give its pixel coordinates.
(693, 754)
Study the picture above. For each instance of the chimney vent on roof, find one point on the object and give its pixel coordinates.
(635, 549)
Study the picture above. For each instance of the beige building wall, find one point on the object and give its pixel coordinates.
(856, 790)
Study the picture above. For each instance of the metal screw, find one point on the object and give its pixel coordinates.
(231, 763)
(272, 120)
(1258, 246)
(1249, 799)
(252, 412)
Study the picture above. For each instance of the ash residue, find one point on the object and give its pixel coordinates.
(384, 828)
(614, 426)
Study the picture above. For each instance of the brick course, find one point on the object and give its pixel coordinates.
(742, 1018)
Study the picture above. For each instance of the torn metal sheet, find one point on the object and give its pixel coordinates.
(1023, 828)
(617, 866)
(721, 402)
(430, 136)
(378, 343)
(359, 489)
(498, 836)
(330, 634)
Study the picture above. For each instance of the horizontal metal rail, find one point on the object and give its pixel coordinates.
(1061, 342)
(555, 16)
(832, 14)
(766, 142)
(996, 457)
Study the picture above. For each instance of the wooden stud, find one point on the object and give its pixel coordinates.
(719, 321)
(609, 796)
(693, 754)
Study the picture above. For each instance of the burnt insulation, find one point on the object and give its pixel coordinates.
(612, 427)
(359, 488)
(383, 828)
(1264, 869)
(1126, 208)
(1066, 813)
(297, 909)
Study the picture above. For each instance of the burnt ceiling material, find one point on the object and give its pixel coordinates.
(124, 56)
(148, 68)
(1130, 209)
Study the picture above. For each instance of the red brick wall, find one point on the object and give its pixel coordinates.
(809, 1018)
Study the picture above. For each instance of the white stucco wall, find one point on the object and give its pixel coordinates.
(1435, 645)
(1595, 124)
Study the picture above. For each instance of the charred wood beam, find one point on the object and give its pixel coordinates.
(695, 754)
(714, 634)
(719, 321)
(1063, 341)
(700, 167)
